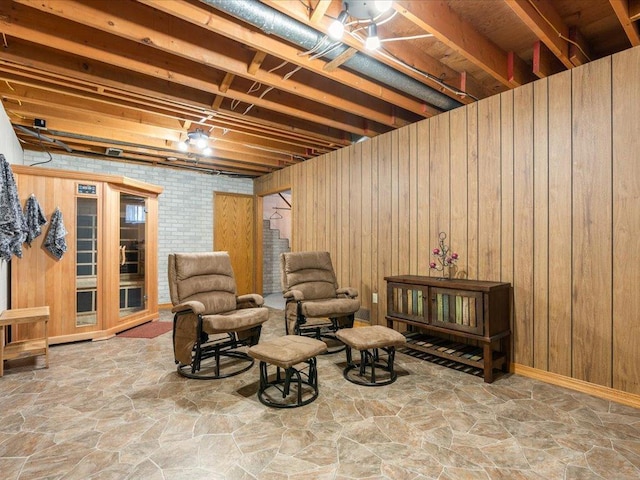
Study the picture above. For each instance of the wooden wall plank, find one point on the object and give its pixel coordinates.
(439, 181)
(366, 283)
(377, 312)
(626, 225)
(523, 224)
(395, 203)
(506, 188)
(592, 219)
(423, 191)
(560, 223)
(333, 205)
(355, 217)
(541, 225)
(459, 190)
(472, 195)
(506, 198)
(384, 223)
(412, 222)
(489, 221)
(404, 201)
(310, 170)
(345, 219)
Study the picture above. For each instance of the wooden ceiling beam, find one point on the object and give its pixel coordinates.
(546, 23)
(50, 95)
(64, 69)
(145, 154)
(200, 16)
(621, 8)
(256, 62)
(132, 26)
(545, 63)
(634, 10)
(319, 11)
(437, 18)
(59, 120)
(435, 71)
(226, 82)
(352, 125)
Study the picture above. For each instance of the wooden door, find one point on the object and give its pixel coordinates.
(234, 232)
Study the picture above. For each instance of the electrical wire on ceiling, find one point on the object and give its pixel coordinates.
(44, 150)
(362, 25)
(560, 35)
(258, 85)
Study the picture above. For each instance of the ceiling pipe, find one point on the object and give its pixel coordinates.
(271, 21)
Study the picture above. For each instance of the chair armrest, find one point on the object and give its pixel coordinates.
(195, 306)
(297, 295)
(348, 291)
(249, 300)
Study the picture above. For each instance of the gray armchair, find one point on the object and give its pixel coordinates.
(211, 323)
(315, 305)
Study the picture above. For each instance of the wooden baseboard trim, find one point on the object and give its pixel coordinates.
(607, 393)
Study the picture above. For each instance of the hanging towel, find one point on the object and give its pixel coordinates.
(54, 241)
(13, 226)
(35, 219)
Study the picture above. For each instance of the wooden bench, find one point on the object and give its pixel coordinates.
(24, 348)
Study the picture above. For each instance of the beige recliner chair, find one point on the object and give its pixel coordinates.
(315, 305)
(211, 323)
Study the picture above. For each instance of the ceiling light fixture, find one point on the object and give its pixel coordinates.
(373, 41)
(382, 5)
(336, 29)
(360, 10)
(199, 138)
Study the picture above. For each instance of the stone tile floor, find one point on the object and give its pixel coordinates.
(117, 409)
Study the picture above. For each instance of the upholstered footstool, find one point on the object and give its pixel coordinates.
(288, 354)
(369, 341)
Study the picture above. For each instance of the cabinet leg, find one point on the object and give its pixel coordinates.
(488, 363)
(506, 348)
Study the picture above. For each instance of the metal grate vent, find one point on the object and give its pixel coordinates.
(113, 152)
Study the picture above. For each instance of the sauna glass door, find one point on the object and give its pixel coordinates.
(133, 223)
(86, 261)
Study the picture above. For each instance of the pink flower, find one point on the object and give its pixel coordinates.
(454, 255)
(436, 251)
(449, 260)
(432, 265)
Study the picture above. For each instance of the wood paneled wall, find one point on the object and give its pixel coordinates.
(538, 186)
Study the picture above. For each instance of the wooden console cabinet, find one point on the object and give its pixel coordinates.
(462, 321)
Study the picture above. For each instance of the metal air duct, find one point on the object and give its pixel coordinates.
(273, 22)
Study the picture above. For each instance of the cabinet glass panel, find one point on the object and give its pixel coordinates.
(86, 261)
(133, 222)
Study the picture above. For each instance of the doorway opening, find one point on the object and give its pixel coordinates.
(276, 239)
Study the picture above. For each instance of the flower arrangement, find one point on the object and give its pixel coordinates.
(443, 258)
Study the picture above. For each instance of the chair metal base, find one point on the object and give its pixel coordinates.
(370, 361)
(243, 363)
(281, 386)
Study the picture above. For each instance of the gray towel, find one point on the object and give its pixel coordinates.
(13, 226)
(54, 241)
(35, 219)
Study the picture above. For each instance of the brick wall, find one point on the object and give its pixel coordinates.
(185, 206)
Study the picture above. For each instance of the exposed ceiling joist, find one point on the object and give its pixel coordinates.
(544, 20)
(261, 78)
(622, 9)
